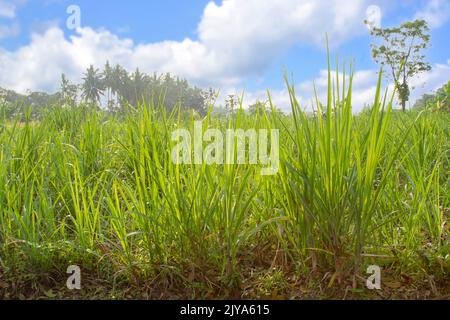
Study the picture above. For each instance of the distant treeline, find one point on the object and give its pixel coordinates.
(112, 89)
(439, 100)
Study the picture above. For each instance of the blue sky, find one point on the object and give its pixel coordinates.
(233, 45)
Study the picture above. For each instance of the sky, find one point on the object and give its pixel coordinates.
(233, 45)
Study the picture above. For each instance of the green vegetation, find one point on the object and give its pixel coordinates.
(99, 190)
(112, 90)
(440, 101)
(401, 51)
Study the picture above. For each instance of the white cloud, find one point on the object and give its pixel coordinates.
(431, 81)
(435, 12)
(364, 88)
(7, 9)
(247, 35)
(236, 39)
(9, 30)
(373, 16)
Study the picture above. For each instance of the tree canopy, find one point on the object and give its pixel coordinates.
(401, 51)
(439, 101)
(122, 88)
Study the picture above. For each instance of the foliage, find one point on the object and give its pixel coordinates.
(93, 86)
(440, 101)
(121, 89)
(14, 103)
(124, 89)
(401, 51)
(68, 91)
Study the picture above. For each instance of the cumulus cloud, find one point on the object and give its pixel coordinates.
(11, 30)
(363, 93)
(247, 35)
(8, 12)
(373, 16)
(364, 87)
(431, 81)
(7, 9)
(435, 12)
(236, 39)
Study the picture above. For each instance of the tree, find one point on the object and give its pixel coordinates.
(108, 81)
(7, 109)
(139, 83)
(68, 90)
(2, 96)
(93, 86)
(439, 101)
(401, 51)
(120, 83)
(258, 108)
(231, 102)
(64, 86)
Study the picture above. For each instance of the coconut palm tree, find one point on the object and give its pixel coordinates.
(120, 82)
(68, 91)
(139, 84)
(64, 86)
(108, 80)
(93, 86)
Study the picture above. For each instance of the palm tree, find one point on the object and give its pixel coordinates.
(64, 86)
(120, 82)
(68, 90)
(139, 85)
(108, 80)
(93, 85)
